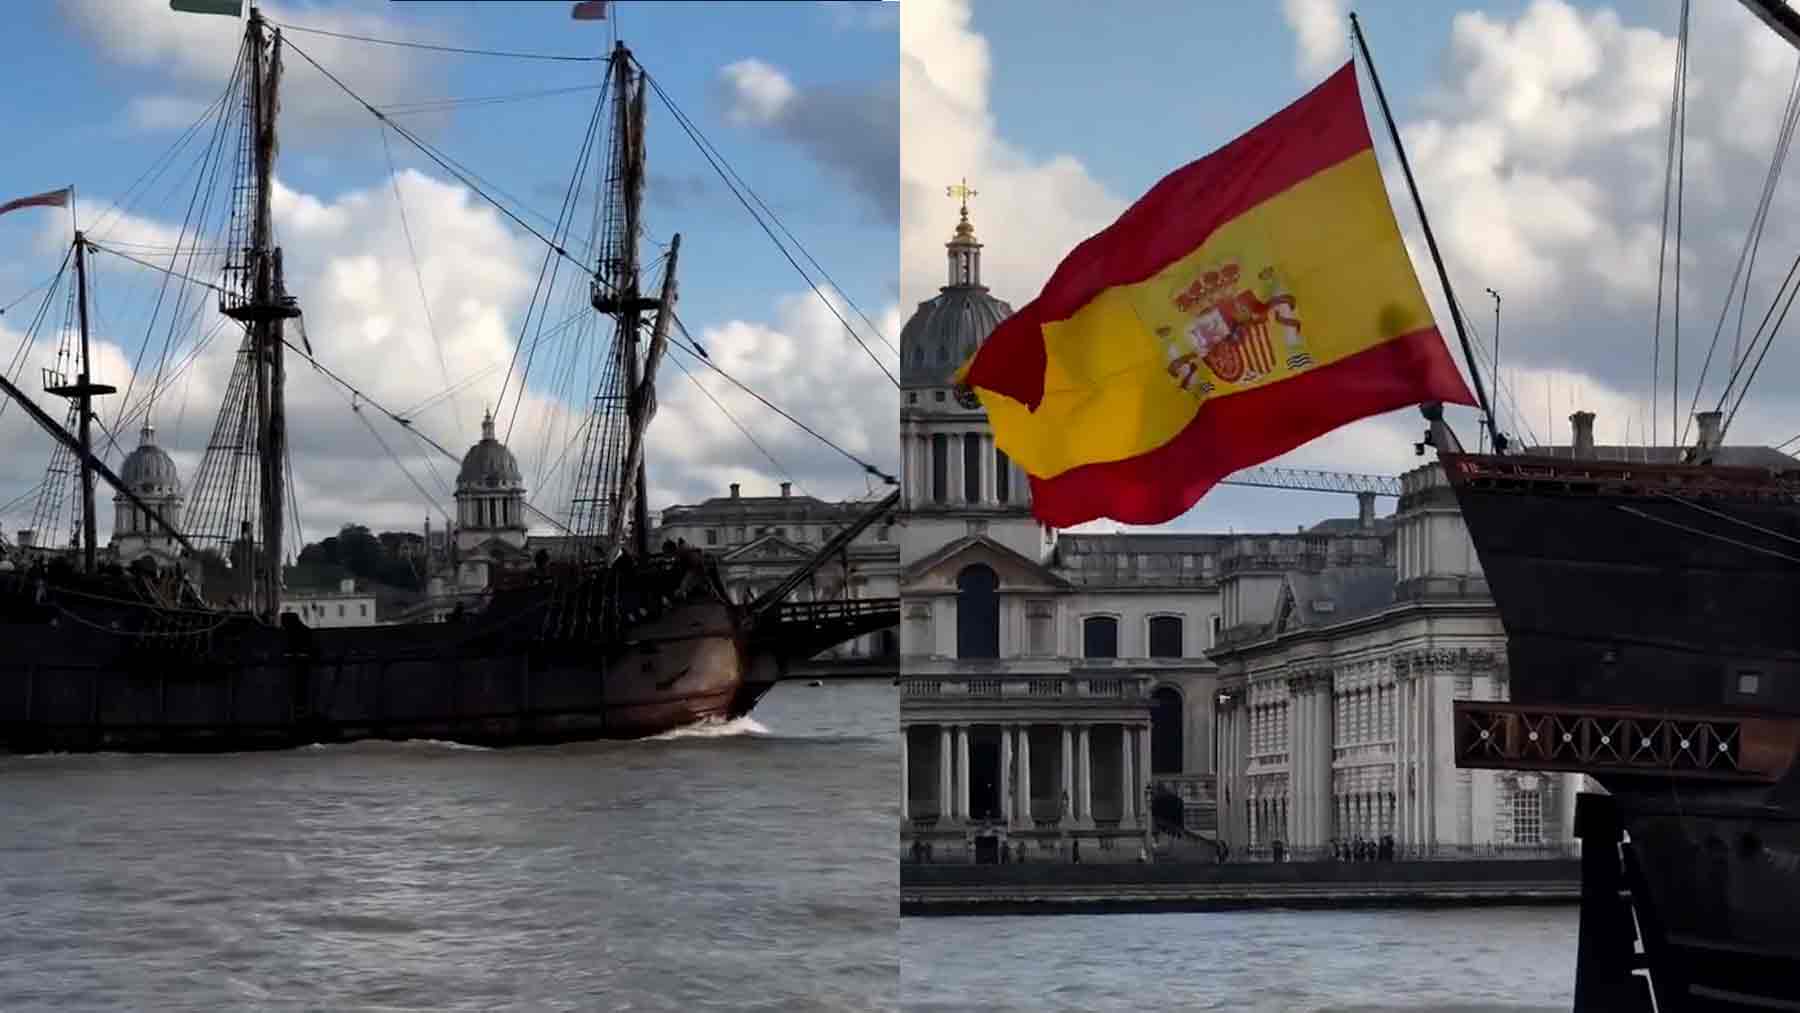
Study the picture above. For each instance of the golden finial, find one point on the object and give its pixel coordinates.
(962, 192)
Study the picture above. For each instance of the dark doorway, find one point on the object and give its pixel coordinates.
(1165, 731)
(977, 612)
(984, 775)
(987, 850)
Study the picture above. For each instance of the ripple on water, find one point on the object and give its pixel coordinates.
(737, 865)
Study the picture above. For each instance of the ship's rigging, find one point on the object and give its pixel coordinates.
(240, 506)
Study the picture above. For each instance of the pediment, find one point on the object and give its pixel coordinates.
(939, 571)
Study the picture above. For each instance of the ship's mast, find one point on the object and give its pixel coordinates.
(82, 391)
(1439, 434)
(265, 312)
(86, 398)
(621, 298)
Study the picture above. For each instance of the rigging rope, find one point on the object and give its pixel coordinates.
(779, 468)
(700, 354)
(459, 50)
(418, 270)
(1676, 123)
(693, 133)
(447, 104)
(1752, 242)
(432, 154)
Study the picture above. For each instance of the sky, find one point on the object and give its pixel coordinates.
(1538, 131)
(412, 284)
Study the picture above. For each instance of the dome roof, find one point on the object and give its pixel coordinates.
(488, 464)
(149, 470)
(945, 331)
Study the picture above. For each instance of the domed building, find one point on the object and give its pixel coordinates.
(955, 483)
(490, 510)
(149, 472)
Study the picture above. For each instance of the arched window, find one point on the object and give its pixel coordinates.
(1165, 731)
(1099, 637)
(977, 612)
(1165, 637)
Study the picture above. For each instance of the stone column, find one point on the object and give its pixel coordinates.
(988, 491)
(1084, 765)
(905, 784)
(962, 770)
(1144, 771)
(1128, 806)
(1025, 776)
(1006, 774)
(1068, 772)
(1300, 756)
(946, 797)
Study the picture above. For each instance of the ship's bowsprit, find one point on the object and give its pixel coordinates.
(796, 631)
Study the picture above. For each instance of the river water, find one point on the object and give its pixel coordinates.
(1497, 960)
(749, 866)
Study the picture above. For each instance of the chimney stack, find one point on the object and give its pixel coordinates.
(787, 489)
(734, 490)
(1365, 511)
(1710, 425)
(1583, 425)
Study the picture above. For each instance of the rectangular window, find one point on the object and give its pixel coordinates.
(340, 611)
(1165, 637)
(1100, 637)
(365, 610)
(1002, 477)
(1528, 817)
(712, 536)
(1040, 628)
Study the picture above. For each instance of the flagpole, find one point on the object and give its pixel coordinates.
(1437, 258)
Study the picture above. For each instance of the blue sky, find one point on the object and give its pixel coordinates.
(1536, 128)
(128, 71)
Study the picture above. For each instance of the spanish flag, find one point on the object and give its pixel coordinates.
(1253, 300)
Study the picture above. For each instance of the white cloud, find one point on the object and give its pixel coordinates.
(1321, 30)
(850, 130)
(1030, 210)
(759, 92)
(194, 54)
(347, 262)
(162, 112)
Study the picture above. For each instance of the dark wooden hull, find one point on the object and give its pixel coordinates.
(1664, 589)
(78, 684)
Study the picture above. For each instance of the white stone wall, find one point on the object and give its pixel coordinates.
(328, 611)
(1322, 729)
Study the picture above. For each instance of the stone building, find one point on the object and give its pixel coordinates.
(1337, 670)
(1047, 686)
(759, 540)
(149, 472)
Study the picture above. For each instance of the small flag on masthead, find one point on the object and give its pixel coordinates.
(589, 10)
(51, 199)
(229, 8)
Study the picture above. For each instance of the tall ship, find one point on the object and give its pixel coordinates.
(1648, 598)
(608, 636)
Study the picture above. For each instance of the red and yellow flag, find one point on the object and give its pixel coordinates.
(1251, 301)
